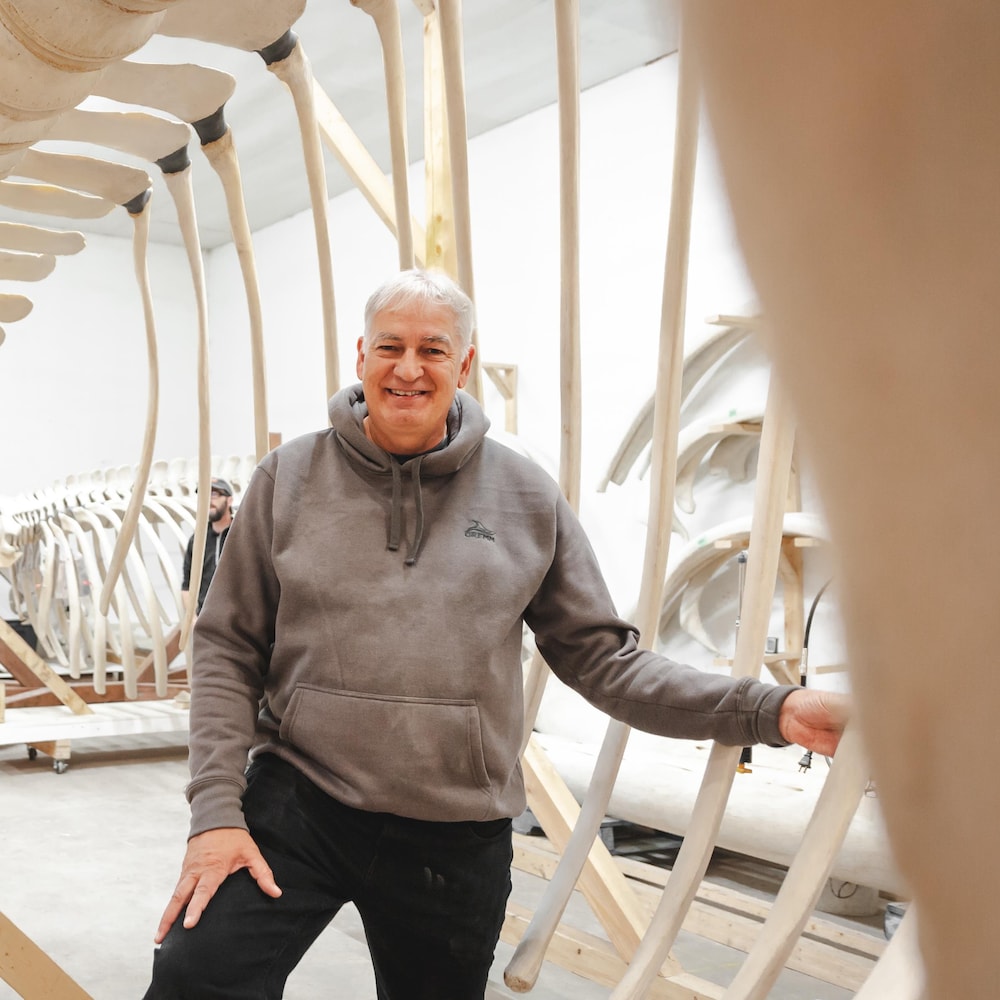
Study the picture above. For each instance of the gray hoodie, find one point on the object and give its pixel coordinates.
(365, 624)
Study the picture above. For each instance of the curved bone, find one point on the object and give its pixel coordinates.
(31, 580)
(690, 609)
(689, 615)
(264, 27)
(186, 91)
(522, 971)
(762, 568)
(385, 13)
(96, 640)
(696, 365)
(179, 185)
(567, 47)
(711, 549)
(696, 442)
(64, 594)
(731, 457)
(96, 556)
(14, 307)
(899, 973)
(178, 517)
(192, 93)
(179, 476)
(25, 266)
(241, 24)
(33, 239)
(804, 881)
(156, 614)
(146, 610)
(99, 507)
(45, 199)
(450, 20)
(46, 591)
(715, 347)
(73, 599)
(126, 533)
(291, 66)
(114, 182)
(221, 154)
(136, 133)
(568, 56)
(167, 564)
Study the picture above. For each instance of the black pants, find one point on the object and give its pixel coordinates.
(431, 897)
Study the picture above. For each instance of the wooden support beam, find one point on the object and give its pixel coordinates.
(439, 241)
(41, 697)
(361, 167)
(504, 377)
(601, 883)
(829, 951)
(29, 971)
(172, 642)
(26, 666)
(593, 958)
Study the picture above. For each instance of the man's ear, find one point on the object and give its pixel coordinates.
(463, 372)
(361, 356)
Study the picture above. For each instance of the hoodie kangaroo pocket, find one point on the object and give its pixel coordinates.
(420, 756)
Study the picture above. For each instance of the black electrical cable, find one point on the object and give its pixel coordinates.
(809, 623)
(806, 762)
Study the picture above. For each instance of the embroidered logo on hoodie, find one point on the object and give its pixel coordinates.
(479, 530)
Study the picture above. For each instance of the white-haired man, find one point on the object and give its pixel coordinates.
(362, 645)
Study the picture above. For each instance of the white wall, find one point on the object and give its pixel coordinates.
(73, 374)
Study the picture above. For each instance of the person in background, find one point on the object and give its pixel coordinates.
(220, 517)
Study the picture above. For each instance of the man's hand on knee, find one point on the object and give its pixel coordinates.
(211, 858)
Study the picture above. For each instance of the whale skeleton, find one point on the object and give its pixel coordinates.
(81, 557)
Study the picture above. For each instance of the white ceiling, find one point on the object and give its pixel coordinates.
(510, 68)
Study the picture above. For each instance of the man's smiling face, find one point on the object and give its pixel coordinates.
(410, 370)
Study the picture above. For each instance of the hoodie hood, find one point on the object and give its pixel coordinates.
(467, 425)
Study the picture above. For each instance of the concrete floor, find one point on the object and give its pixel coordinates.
(90, 856)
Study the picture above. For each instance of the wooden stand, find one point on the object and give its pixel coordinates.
(34, 706)
(29, 971)
(828, 950)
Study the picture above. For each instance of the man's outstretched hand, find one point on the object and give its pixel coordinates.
(211, 857)
(814, 719)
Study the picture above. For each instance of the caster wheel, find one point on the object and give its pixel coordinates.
(60, 766)
(32, 753)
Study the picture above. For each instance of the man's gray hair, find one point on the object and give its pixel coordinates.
(418, 287)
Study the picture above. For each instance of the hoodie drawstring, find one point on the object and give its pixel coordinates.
(396, 513)
(418, 500)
